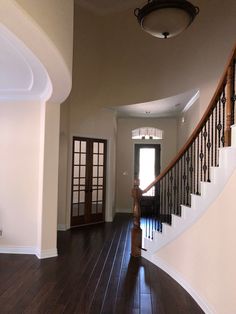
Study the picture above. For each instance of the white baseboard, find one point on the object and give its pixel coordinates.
(124, 210)
(42, 254)
(17, 250)
(208, 309)
(62, 227)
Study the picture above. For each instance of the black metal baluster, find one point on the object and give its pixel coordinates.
(212, 139)
(194, 167)
(184, 180)
(216, 150)
(198, 157)
(205, 153)
(187, 177)
(201, 157)
(219, 125)
(223, 100)
(177, 187)
(209, 151)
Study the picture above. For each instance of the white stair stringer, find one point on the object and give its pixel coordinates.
(199, 203)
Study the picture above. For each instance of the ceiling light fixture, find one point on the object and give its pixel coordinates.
(166, 18)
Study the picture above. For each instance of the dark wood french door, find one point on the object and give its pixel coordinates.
(88, 181)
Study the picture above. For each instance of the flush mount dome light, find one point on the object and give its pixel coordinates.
(166, 18)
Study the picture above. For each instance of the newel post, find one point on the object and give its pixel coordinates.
(136, 232)
(229, 104)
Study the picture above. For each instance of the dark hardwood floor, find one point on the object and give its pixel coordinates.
(93, 273)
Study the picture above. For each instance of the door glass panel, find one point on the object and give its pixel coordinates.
(147, 169)
(95, 148)
(81, 209)
(82, 171)
(94, 208)
(75, 197)
(99, 207)
(76, 181)
(82, 196)
(95, 159)
(95, 170)
(100, 181)
(100, 192)
(76, 171)
(101, 148)
(94, 195)
(101, 160)
(83, 159)
(95, 181)
(75, 211)
(100, 171)
(77, 146)
(82, 181)
(83, 147)
(76, 159)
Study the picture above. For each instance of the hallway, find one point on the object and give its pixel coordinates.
(92, 274)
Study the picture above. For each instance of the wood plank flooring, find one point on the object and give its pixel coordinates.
(94, 274)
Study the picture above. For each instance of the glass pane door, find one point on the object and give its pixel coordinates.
(88, 181)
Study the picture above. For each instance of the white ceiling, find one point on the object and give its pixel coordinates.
(109, 6)
(167, 107)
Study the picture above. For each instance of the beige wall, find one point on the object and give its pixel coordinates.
(56, 19)
(205, 255)
(125, 153)
(138, 67)
(86, 115)
(19, 168)
(185, 127)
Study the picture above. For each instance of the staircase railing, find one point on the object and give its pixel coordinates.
(183, 175)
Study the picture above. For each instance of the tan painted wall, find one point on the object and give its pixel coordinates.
(138, 67)
(56, 19)
(205, 255)
(19, 168)
(125, 153)
(191, 119)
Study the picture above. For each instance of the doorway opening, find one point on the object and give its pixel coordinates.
(147, 168)
(88, 181)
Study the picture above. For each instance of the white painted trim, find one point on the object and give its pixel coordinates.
(207, 308)
(30, 250)
(192, 101)
(62, 227)
(17, 250)
(42, 254)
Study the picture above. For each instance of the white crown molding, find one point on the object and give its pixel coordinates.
(192, 101)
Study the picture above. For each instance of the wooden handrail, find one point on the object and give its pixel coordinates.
(200, 125)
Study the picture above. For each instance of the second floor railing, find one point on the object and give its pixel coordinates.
(192, 164)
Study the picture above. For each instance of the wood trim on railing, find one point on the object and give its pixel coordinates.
(197, 130)
(136, 231)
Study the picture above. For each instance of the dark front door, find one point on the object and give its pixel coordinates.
(88, 181)
(147, 168)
